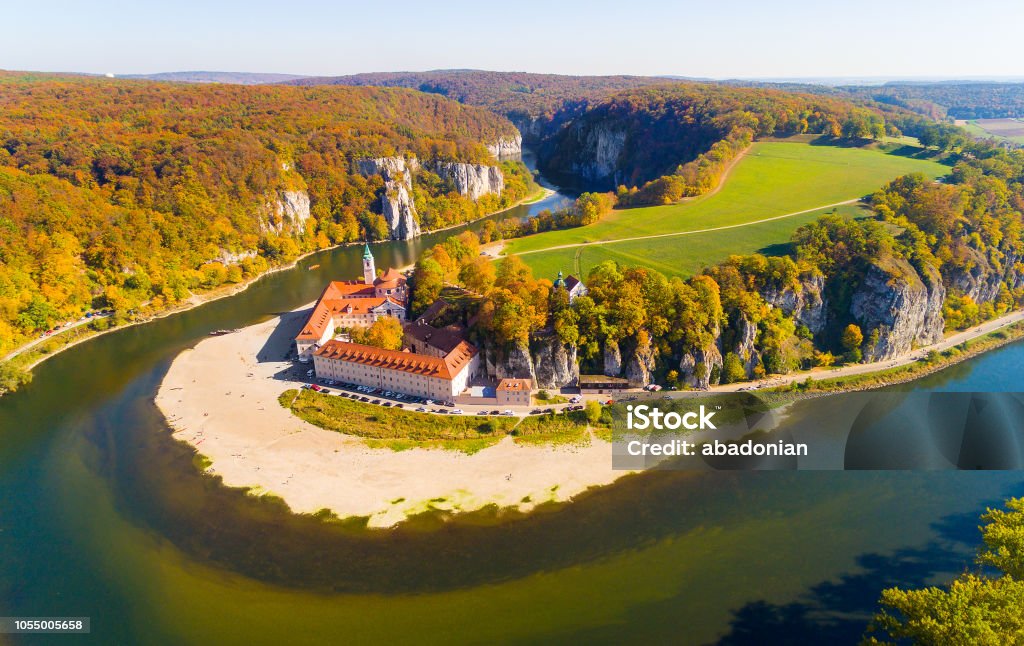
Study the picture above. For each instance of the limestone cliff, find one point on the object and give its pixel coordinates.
(612, 358)
(896, 308)
(697, 366)
(507, 363)
(639, 362)
(287, 213)
(507, 147)
(554, 362)
(548, 362)
(396, 203)
(472, 180)
(746, 348)
(985, 277)
(598, 151)
(803, 302)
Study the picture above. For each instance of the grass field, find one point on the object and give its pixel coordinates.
(683, 255)
(773, 179)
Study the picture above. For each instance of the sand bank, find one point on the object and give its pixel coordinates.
(221, 397)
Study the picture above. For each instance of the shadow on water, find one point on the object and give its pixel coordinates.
(838, 612)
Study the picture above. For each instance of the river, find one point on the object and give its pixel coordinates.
(103, 515)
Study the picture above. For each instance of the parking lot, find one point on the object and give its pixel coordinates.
(388, 398)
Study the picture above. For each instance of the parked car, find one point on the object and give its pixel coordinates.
(314, 387)
(536, 411)
(508, 413)
(325, 391)
(457, 411)
(421, 410)
(483, 412)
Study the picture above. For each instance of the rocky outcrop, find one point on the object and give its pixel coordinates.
(396, 203)
(288, 213)
(549, 363)
(554, 363)
(803, 302)
(399, 211)
(472, 180)
(746, 349)
(639, 363)
(697, 366)
(896, 309)
(984, 279)
(508, 363)
(510, 147)
(612, 358)
(598, 151)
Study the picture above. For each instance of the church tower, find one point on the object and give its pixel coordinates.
(369, 269)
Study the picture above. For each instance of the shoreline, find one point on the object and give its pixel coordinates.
(221, 398)
(199, 299)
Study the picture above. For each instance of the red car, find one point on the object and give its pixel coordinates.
(314, 387)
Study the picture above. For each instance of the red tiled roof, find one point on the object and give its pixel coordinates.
(515, 384)
(418, 364)
(336, 297)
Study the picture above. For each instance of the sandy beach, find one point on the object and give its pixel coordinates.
(221, 398)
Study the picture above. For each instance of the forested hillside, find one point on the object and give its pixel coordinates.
(666, 142)
(532, 101)
(963, 100)
(938, 256)
(125, 194)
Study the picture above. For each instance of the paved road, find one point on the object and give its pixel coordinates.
(28, 346)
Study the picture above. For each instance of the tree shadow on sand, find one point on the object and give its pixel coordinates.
(837, 612)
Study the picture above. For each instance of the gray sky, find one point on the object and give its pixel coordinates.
(737, 38)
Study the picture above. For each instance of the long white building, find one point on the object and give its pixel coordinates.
(439, 378)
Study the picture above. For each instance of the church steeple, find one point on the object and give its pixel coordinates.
(369, 268)
(559, 282)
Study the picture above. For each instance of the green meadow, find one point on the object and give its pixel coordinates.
(773, 179)
(683, 255)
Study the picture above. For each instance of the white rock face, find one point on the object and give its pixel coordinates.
(399, 211)
(507, 147)
(599, 151)
(897, 310)
(473, 180)
(289, 212)
(396, 203)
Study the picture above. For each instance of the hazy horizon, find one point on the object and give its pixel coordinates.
(742, 39)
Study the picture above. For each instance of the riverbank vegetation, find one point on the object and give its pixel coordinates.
(399, 429)
(132, 195)
(977, 607)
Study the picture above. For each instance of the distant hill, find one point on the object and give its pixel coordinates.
(233, 78)
(530, 100)
(955, 99)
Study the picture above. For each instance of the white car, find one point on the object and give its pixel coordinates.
(457, 411)
(508, 412)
